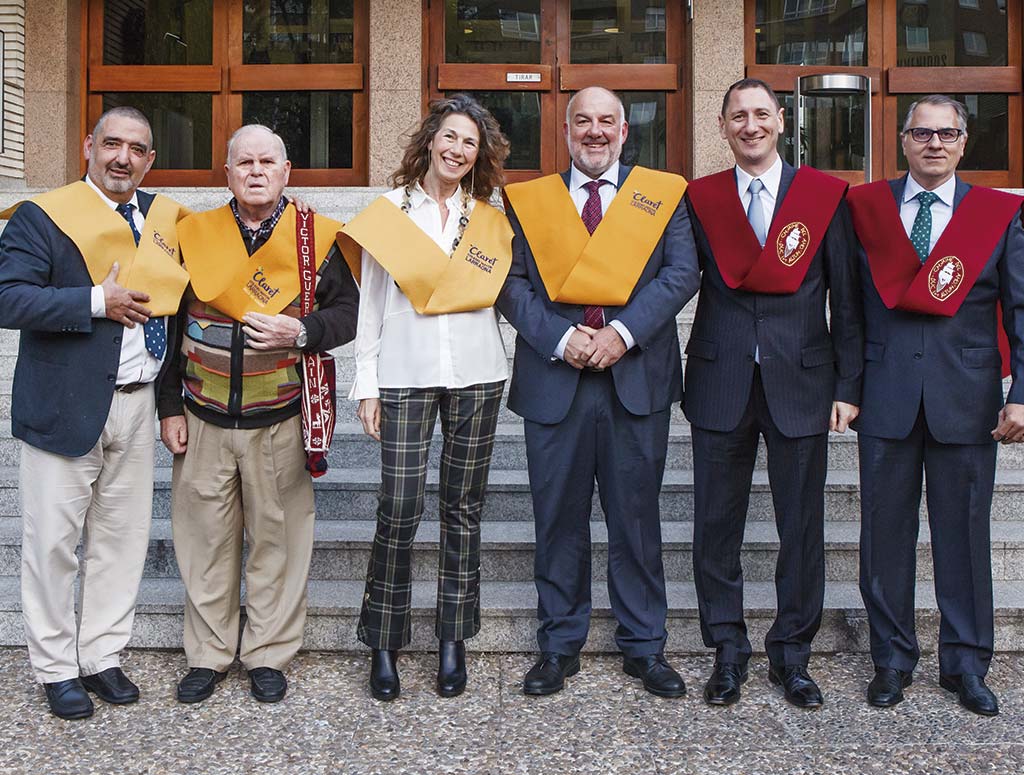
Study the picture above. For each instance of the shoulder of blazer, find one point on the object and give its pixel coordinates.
(145, 201)
(897, 185)
(785, 181)
(961, 191)
(624, 170)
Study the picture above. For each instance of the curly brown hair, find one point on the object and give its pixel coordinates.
(489, 170)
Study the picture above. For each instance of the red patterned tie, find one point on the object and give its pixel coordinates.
(593, 317)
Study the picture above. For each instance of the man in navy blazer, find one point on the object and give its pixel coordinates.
(596, 401)
(83, 406)
(767, 364)
(933, 402)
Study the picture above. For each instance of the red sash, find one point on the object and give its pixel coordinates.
(940, 285)
(796, 232)
(318, 384)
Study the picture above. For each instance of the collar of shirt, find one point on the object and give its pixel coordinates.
(577, 179)
(418, 197)
(946, 192)
(771, 178)
(110, 202)
(256, 238)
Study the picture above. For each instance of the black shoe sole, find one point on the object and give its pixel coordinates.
(455, 691)
(73, 716)
(384, 696)
(949, 686)
(268, 698)
(547, 690)
(205, 696)
(776, 681)
(673, 694)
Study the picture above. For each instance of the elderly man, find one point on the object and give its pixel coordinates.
(603, 260)
(938, 257)
(774, 243)
(237, 434)
(83, 403)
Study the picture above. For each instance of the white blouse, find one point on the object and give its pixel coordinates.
(396, 347)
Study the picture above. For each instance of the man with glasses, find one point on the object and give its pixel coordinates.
(938, 257)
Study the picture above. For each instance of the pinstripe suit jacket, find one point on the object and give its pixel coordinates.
(806, 361)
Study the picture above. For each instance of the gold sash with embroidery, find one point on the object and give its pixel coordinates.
(226, 277)
(103, 236)
(434, 283)
(599, 269)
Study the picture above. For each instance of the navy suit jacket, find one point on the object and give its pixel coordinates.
(67, 360)
(950, 365)
(806, 361)
(648, 378)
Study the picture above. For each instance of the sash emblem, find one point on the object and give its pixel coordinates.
(792, 243)
(945, 277)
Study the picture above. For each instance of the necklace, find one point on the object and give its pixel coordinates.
(463, 218)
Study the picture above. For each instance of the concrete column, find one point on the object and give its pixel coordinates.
(396, 59)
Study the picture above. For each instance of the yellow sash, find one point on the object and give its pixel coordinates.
(602, 268)
(435, 284)
(102, 236)
(225, 276)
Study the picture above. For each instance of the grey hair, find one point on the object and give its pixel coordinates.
(124, 111)
(939, 100)
(572, 100)
(260, 127)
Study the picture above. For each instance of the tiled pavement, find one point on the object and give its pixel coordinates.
(603, 724)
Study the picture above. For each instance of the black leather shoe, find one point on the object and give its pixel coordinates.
(267, 684)
(886, 688)
(657, 674)
(68, 699)
(548, 675)
(112, 685)
(973, 693)
(451, 668)
(199, 684)
(799, 687)
(723, 687)
(384, 685)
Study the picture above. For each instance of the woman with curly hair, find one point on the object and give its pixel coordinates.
(434, 256)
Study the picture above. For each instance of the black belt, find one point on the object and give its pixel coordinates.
(131, 387)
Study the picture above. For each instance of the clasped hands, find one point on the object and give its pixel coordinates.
(594, 348)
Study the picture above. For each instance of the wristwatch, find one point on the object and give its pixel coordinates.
(300, 340)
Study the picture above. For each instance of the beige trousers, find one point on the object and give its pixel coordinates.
(104, 499)
(232, 483)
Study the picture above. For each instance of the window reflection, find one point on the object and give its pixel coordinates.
(297, 32)
(617, 31)
(492, 32)
(951, 33)
(158, 32)
(316, 126)
(811, 32)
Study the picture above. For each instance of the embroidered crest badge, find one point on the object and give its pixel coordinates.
(945, 277)
(792, 243)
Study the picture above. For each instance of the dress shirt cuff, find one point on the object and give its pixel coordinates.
(627, 337)
(560, 349)
(365, 385)
(98, 302)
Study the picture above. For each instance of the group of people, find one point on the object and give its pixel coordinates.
(820, 308)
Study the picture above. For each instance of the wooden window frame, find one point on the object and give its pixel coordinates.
(888, 82)
(226, 79)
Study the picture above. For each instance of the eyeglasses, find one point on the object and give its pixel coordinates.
(924, 135)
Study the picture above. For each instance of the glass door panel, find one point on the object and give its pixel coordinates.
(617, 32)
(492, 32)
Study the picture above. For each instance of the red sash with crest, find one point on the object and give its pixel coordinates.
(939, 285)
(796, 231)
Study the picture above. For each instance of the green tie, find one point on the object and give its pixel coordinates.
(921, 233)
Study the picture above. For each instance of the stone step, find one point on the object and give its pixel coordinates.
(509, 609)
(341, 551)
(346, 493)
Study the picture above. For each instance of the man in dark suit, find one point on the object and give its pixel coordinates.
(763, 361)
(595, 384)
(83, 406)
(938, 256)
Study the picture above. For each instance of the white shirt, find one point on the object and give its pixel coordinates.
(137, 363)
(942, 208)
(771, 178)
(580, 195)
(396, 347)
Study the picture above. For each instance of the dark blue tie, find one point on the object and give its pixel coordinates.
(155, 331)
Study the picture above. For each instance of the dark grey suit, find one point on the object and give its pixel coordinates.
(932, 395)
(730, 401)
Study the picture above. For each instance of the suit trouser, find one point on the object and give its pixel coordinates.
(232, 483)
(469, 417)
(960, 478)
(104, 498)
(723, 465)
(626, 453)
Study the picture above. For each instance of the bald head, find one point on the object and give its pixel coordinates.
(595, 129)
(253, 130)
(257, 170)
(594, 91)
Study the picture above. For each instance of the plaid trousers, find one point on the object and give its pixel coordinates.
(469, 417)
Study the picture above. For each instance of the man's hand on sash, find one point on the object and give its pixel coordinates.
(1011, 424)
(842, 415)
(369, 415)
(174, 434)
(579, 348)
(608, 347)
(122, 305)
(270, 332)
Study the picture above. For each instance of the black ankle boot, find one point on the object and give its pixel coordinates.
(384, 684)
(451, 668)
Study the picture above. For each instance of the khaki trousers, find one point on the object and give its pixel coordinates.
(230, 484)
(104, 499)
